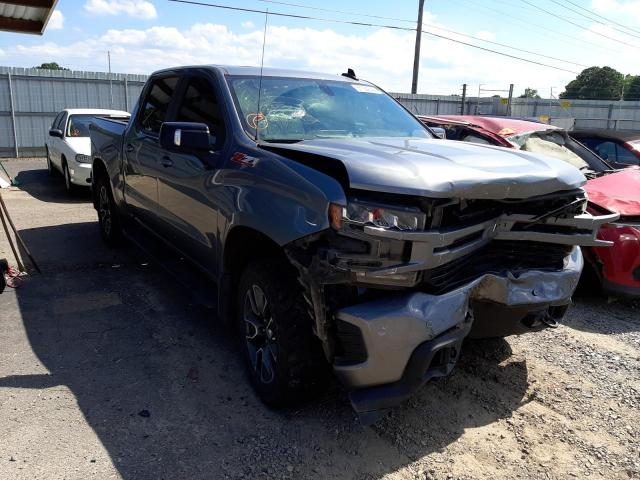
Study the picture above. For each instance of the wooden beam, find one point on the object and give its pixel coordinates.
(30, 3)
(19, 25)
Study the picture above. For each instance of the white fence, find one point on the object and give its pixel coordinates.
(31, 98)
(617, 115)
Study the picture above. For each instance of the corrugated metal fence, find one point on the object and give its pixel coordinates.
(567, 113)
(31, 98)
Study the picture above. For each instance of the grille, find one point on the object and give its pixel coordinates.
(497, 257)
(476, 211)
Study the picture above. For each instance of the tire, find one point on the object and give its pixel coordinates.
(50, 169)
(283, 357)
(68, 186)
(108, 216)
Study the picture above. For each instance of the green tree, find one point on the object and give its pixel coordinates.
(632, 88)
(595, 83)
(530, 93)
(51, 66)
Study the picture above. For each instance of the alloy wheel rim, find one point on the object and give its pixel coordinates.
(104, 210)
(260, 334)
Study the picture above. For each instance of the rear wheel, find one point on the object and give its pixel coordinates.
(108, 218)
(283, 357)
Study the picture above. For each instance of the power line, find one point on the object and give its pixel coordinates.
(506, 46)
(358, 14)
(603, 17)
(578, 25)
(365, 24)
(595, 19)
(499, 53)
(432, 26)
(529, 24)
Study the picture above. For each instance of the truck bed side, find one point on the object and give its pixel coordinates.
(106, 147)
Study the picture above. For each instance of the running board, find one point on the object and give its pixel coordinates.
(201, 287)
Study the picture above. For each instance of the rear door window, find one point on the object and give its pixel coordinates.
(156, 105)
(56, 120)
(62, 121)
(606, 150)
(625, 156)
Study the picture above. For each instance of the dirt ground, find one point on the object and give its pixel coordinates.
(108, 371)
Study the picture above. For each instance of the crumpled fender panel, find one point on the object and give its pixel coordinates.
(620, 262)
(618, 192)
(395, 326)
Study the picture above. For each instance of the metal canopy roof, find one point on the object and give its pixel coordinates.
(25, 16)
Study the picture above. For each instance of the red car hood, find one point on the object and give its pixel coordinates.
(618, 192)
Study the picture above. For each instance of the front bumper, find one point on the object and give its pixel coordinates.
(80, 174)
(620, 264)
(405, 332)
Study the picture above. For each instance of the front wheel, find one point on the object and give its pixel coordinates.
(284, 359)
(50, 169)
(108, 218)
(68, 185)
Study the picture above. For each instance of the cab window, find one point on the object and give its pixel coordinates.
(199, 105)
(156, 105)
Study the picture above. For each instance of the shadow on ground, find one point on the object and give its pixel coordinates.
(166, 395)
(38, 183)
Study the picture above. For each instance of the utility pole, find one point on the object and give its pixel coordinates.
(416, 58)
(110, 80)
(464, 97)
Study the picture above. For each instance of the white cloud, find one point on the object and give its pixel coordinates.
(247, 24)
(56, 21)
(485, 35)
(630, 9)
(134, 8)
(382, 56)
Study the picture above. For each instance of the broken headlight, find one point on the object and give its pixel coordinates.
(406, 219)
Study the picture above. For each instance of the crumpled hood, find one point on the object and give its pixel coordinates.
(442, 168)
(80, 145)
(618, 192)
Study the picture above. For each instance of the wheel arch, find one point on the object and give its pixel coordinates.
(242, 245)
(98, 170)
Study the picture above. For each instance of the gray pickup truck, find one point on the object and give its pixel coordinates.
(335, 230)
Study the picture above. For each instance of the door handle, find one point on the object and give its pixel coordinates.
(166, 162)
(129, 148)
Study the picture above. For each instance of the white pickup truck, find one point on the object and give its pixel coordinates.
(68, 145)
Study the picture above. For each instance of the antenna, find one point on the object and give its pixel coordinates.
(264, 40)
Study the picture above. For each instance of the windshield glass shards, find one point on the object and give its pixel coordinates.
(557, 144)
(296, 109)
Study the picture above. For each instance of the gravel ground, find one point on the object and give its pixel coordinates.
(108, 371)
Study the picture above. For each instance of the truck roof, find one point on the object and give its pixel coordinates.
(95, 111)
(266, 71)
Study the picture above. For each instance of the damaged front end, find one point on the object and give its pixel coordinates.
(398, 282)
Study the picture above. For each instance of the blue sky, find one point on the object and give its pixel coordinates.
(144, 35)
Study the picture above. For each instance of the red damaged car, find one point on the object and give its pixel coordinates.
(609, 190)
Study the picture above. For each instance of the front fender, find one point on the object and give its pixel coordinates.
(279, 198)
